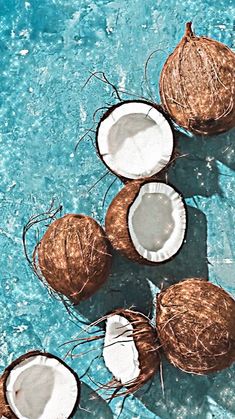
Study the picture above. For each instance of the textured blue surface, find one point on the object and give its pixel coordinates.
(47, 49)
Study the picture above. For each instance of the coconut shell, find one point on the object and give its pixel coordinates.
(4, 407)
(196, 326)
(197, 85)
(74, 256)
(116, 222)
(146, 342)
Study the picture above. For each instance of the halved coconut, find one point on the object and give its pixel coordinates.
(130, 348)
(39, 385)
(147, 221)
(134, 139)
(74, 256)
(196, 326)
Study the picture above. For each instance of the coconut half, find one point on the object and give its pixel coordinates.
(120, 353)
(135, 140)
(39, 386)
(196, 326)
(147, 222)
(130, 348)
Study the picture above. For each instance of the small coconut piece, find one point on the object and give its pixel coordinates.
(197, 85)
(74, 256)
(130, 348)
(134, 139)
(39, 385)
(195, 323)
(146, 221)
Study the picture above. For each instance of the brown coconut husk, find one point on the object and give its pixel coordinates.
(4, 407)
(197, 85)
(116, 222)
(146, 341)
(195, 323)
(175, 152)
(74, 257)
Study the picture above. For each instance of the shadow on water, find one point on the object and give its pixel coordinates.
(222, 389)
(125, 287)
(197, 173)
(92, 405)
(128, 283)
(185, 395)
(191, 260)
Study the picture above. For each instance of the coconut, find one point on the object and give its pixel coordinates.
(197, 85)
(39, 385)
(195, 323)
(146, 222)
(130, 349)
(134, 139)
(74, 256)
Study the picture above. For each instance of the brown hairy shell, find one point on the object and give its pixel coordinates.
(196, 326)
(74, 256)
(197, 85)
(4, 407)
(146, 342)
(116, 222)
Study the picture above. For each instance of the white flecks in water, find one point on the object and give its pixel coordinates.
(83, 114)
(24, 33)
(24, 52)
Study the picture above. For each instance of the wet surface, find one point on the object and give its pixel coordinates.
(48, 50)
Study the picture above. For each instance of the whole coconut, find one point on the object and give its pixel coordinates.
(196, 326)
(74, 256)
(197, 85)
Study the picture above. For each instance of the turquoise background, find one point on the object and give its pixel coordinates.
(44, 110)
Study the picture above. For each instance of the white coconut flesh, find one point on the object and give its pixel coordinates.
(157, 222)
(120, 354)
(41, 388)
(135, 140)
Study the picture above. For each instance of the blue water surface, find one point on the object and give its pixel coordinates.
(48, 50)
